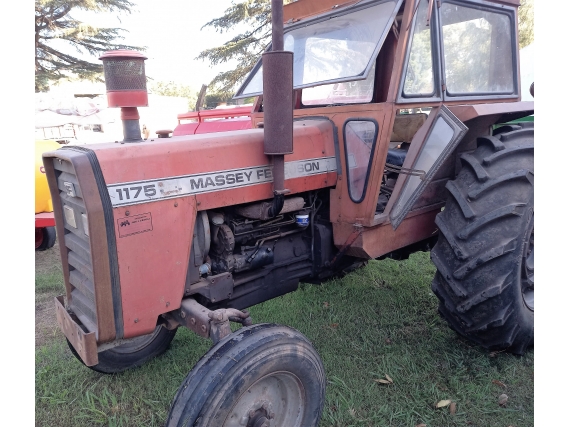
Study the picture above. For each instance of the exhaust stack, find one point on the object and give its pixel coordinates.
(278, 104)
(125, 81)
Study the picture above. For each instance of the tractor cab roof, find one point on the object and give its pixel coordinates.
(301, 9)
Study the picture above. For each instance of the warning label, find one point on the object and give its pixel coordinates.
(134, 224)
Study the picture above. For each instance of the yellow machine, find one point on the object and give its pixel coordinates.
(44, 219)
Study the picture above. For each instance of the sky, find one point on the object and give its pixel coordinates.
(171, 31)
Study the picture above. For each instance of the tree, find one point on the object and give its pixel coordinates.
(246, 48)
(215, 99)
(176, 89)
(54, 23)
(526, 23)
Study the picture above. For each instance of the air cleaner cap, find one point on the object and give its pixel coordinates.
(125, 78)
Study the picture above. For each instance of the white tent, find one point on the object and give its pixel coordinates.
(51, 111)
(55, 110)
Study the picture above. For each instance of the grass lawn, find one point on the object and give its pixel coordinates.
(378, 321)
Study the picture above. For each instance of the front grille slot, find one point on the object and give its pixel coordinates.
(81, 279)
(67, 177)
(78, 209)
(83, 284)
(83, 309)
(78, 246)
(80, 265)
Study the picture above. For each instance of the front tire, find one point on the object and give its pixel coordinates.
(133, 353)
(485, 252)
(260, 374)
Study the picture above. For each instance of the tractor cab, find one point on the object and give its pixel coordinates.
(378, 69)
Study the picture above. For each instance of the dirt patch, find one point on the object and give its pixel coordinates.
(46, 329)
(49, 260)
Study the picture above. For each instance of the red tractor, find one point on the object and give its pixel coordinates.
(371, 137)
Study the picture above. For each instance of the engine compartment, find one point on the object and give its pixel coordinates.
(240, 257)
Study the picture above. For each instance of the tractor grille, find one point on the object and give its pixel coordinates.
(76, 238)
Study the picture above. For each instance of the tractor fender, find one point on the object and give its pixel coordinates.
(497, 113)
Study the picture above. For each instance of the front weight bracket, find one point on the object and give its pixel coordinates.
(206, 323)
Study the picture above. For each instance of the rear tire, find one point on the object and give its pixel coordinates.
(485, 252)
(261, 373)
(45, 238)
(134, 353)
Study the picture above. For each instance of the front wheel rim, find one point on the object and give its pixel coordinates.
(278, 399)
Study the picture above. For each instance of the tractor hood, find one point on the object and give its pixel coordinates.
(218, 169)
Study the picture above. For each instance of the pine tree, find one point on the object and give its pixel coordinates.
(526, 23)
(246, 48)
(54, 21)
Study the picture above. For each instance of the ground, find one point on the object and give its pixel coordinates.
(49, 263)
(378, 321)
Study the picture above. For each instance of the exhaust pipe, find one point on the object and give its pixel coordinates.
(278, 105)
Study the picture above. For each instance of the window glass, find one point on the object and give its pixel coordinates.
(445, 133)
(341, 93)
(339, 48)
(439, 138)
(478, 50)
(360, 137)
(419, 80)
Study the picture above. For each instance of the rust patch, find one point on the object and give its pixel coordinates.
(84, 343)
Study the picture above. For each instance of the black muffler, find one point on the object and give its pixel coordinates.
(278, 105)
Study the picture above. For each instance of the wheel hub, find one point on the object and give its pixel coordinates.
(259, 419)
(275, 400)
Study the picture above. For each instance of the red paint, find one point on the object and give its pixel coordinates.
(127, 98)
(185, 129)
(211, 121)
(156, 285)
(122, 53)
(129, 113)
(44, 219)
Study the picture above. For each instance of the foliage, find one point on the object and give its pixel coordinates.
(526, 23)
(245, 47)
(420, 76)
(54, 24)
(468, 42)
(176, 89)
(213, 100)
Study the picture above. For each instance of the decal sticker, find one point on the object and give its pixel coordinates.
(134, 224)
(131, 193)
